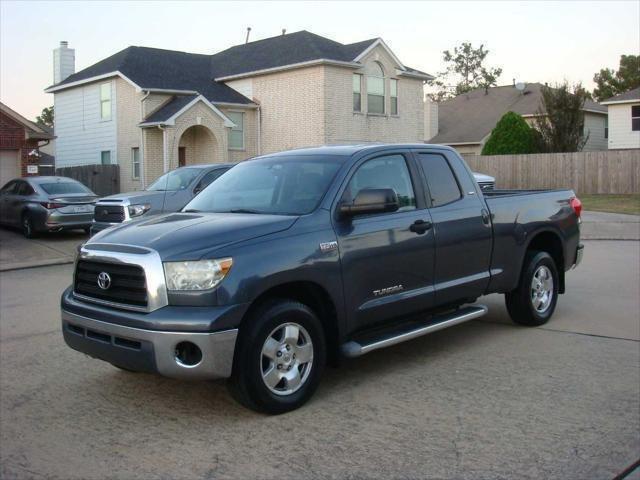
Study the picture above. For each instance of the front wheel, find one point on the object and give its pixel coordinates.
(279, 357)
(533, 302)
(27, 226)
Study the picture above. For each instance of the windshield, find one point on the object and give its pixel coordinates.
(61, 188)
(277, 185)
(176, 180)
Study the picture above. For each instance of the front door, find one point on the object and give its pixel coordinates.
(462, 229)
(387, 265)
(182, 156)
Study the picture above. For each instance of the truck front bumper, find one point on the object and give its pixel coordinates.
(152, 351)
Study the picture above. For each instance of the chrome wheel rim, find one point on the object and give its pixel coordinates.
(542, 289)
(286, 359)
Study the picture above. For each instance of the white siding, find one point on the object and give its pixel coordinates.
(244, 86)
(620, 133)
(594, 127)
(81, 133)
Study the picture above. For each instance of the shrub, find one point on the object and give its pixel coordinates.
(510, 135)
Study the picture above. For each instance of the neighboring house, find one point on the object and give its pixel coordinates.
(466, 121)
(20, 140)
(150, 110)
(624, 119)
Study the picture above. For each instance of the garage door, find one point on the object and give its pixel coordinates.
(9, 165)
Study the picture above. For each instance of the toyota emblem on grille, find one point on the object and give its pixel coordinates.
(104, 280)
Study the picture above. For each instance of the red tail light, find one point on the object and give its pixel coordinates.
(576, 204)
(51, 205)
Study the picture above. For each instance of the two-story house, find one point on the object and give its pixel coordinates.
(151, 110)
(624, 120)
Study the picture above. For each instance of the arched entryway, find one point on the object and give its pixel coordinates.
(197, 145)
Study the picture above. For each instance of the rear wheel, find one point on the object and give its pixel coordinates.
(534, 301)
(27, 226)
(279, 357)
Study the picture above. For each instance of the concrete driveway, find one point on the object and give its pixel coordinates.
(485, 399)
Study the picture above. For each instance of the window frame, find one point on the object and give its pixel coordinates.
(384, 90)
(24, 184)
(101, 157)
(135, 150)
(232, 129)
(353, 92)
(425, 182)
(414, 176)
(104, 101)
(393, 81)
(636, 118)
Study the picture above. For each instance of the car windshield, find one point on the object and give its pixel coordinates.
(276, 185)
(176, 180)
(61, 188)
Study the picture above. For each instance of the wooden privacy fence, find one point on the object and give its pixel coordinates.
(609, 171)
(102, 179)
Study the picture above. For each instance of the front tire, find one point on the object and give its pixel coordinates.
(533, 302)
(279, 357)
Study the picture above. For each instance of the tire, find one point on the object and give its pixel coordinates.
(27, 226)
(262, 345)
(87, 230)
(533, 302)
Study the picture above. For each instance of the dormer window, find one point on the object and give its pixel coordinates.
(375, 88)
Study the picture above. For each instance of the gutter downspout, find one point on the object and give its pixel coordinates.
(165, 158)
(142, 172)
(259, 125)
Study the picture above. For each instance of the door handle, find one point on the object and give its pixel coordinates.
(486, 218)
(420, 226)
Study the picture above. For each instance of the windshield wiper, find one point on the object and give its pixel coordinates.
(244, 210)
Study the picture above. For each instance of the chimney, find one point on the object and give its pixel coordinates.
(64, 62)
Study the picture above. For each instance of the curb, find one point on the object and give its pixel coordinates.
(43, 263)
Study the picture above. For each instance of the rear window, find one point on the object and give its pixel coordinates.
(443, 186)
(61, 188)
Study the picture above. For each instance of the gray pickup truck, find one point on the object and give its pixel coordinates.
(169, 193)
(293, 260)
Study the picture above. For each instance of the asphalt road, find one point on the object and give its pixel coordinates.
(485, 399)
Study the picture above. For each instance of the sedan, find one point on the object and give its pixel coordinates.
(46, 204)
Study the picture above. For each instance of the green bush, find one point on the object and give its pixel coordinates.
(511, 135)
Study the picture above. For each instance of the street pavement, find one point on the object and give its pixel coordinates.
(485, 399)
(610, 226)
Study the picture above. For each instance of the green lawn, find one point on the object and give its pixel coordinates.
(611, 203)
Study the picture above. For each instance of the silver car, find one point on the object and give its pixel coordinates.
(46, 204)
(486, 182)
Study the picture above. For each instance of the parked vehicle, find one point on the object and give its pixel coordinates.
(293, 259)
(169, 193)
(46, 204)
(486, 182)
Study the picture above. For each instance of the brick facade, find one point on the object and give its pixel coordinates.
(15, 136)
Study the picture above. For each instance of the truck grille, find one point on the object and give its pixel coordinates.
(108, 213)
(128, 284)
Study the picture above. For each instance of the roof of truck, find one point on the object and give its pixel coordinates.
(349, 150)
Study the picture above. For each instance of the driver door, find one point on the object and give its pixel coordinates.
(387, 263)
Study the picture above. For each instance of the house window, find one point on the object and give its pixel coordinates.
(375, 88)
(135, 163)
(357, 92)
(635, 118)
(606, 127)
(393, 88)
(105, 101)
(236, 134)
(105, 157)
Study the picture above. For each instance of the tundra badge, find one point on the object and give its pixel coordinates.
(328, 246)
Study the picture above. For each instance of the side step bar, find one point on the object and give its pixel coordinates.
(355, 349)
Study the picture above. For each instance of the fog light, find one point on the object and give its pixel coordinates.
(188, 354)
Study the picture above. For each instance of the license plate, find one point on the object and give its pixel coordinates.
(82, 209)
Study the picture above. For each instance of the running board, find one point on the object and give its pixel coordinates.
(355, 349)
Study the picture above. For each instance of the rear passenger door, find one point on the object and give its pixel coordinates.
(462, 228)
(387, 258)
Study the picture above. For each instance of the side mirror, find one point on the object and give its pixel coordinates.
(371, 200)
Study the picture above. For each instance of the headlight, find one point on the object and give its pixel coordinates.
(137, 210)
(199, 275)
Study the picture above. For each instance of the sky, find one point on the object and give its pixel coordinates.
(535, 41)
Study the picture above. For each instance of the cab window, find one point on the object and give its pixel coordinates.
(208, 178)
(443, 186)
(389, 171)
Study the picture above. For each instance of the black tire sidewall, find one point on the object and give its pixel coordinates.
(247, 363)
(534, 261)
(27, 218)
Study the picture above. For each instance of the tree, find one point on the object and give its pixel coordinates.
(511, 135)
(560, 118)
(610, 83)
(46, 117)
(466, 70)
